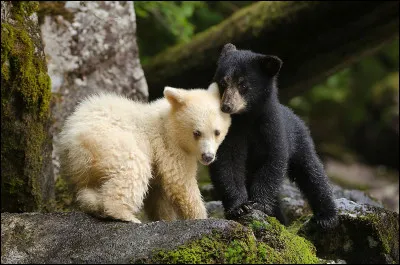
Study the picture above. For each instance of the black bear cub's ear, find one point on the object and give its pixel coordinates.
(227, 48)
(270, 64)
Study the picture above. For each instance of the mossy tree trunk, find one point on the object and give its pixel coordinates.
(314, 39)
(27, 182)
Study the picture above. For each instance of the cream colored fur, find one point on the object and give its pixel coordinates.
(113, 150)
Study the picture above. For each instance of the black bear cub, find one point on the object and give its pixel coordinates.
(265, 142)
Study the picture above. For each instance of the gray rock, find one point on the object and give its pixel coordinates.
(215, 209)
(295, 206)
(76, 237)
(292, 200)
(355, 195)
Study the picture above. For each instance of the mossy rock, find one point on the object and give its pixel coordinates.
(262, 240)
(76, 238)
(365, 234)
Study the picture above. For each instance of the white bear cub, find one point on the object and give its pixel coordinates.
(121, 154)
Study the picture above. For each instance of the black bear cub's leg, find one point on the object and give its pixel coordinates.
(307, 171)
(228, 173)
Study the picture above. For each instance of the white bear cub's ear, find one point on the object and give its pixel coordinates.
(213, 88)
(174, 96)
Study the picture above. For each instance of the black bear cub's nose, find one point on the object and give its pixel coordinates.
(226, 108)
(207, 157)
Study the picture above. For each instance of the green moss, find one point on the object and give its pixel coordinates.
(387, 230)
(21, 10)
(298, 223)
(29, 73)
(216, 248)
(266, 242)
(25, 98)
(292, 248)
(5, 70)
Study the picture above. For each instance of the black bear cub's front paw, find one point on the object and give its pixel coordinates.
(236, 212)
(245, 208)
(325, 222)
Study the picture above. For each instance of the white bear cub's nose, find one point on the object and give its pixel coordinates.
(207, 157)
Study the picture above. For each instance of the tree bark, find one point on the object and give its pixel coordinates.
(27, 183)
(313, 38)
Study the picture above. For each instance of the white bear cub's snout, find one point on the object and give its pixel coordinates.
(208, 150)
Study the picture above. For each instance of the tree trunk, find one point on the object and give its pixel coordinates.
(27, 183)
(313, 38)
(91, 47)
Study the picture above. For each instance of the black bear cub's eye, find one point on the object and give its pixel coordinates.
(223, 83)
(217, 132)
(196, 134)
(242, 87)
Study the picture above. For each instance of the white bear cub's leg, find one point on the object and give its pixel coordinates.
(129, 173)
(92, 201)
(116, 203)
(117, 175)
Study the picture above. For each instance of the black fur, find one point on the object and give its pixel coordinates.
(265, 142)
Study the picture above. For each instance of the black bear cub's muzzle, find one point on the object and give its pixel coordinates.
(226, 108)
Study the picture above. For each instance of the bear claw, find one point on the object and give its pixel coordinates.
(325, 222)
(238, 211)
(245, 208)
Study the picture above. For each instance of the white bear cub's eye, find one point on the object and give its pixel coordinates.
(196, 134)
(217, 132)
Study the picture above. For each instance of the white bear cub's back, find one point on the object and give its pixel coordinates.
(107, 110)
